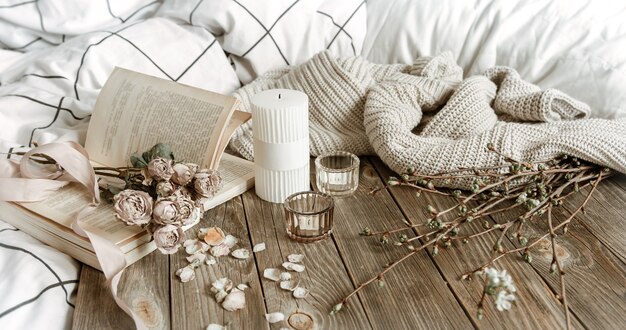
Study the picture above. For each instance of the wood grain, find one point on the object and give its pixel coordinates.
(595, 277)
(144, 287)
(193, 305)
(415, 295)
(325, 275)
(536, 308)
(606, 215)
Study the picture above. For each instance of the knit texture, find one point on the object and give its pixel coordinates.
(367, 108)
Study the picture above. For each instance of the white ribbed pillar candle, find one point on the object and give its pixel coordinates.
(280, 126)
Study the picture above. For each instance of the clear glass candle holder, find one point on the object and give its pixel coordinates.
(337, 173)
(309, 216)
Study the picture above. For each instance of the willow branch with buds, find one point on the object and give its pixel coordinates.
(530, 189)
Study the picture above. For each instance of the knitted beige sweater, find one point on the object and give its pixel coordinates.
(367, 108)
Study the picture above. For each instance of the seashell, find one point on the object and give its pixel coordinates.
(235, 300)
(295, 267)
(274, 317)
(288, 285)
(186, 274)
(220, 250)
(295, 257)
(230, 241)
(242, 287)
(300, 293)
(222, 284)
(214, 236)
(258, 247)
(220, 295)
(272, 274)
(284, 276)
(196, 259)
(241, 254)
(214, 326)
(210, 260)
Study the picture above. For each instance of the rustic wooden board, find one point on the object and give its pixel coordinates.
(595, 277)
(325, 275)
(536, 308)
(144, 287)
(606, 214)
(193, 305)
(415, 295)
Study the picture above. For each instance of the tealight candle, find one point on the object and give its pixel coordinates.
(280, 126)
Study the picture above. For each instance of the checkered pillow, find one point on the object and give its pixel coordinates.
(264, 35)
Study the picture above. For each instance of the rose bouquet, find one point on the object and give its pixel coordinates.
(161, 194)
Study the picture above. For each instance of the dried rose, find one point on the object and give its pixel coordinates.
(160, 169)
(183, 192)
(189, 213)
(168, 238)
(183, 173)
(207, 182)
(134, 207)
(166, 212)
(164, 188)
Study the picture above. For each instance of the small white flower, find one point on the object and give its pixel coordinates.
(503, 300)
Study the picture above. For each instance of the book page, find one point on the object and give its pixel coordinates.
(64, 204)
(136, 111)
(236, 120)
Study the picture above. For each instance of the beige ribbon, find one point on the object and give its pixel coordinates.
(28, 181)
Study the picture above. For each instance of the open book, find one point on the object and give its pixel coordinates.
(134, 112)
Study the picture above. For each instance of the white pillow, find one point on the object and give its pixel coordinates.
(577, 46)
(267, 35)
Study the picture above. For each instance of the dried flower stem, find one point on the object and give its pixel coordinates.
(536, 188)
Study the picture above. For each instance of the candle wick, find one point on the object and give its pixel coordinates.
(278, 95)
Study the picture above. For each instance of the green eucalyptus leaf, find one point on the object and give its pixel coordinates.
(162, 150)
(138, 161)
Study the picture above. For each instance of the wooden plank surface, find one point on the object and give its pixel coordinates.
(415, 295)
(424, 292)
(193, 306)
(144, 286)
(595, 276)
(325, 275)
(607, 213)
(536, 308)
